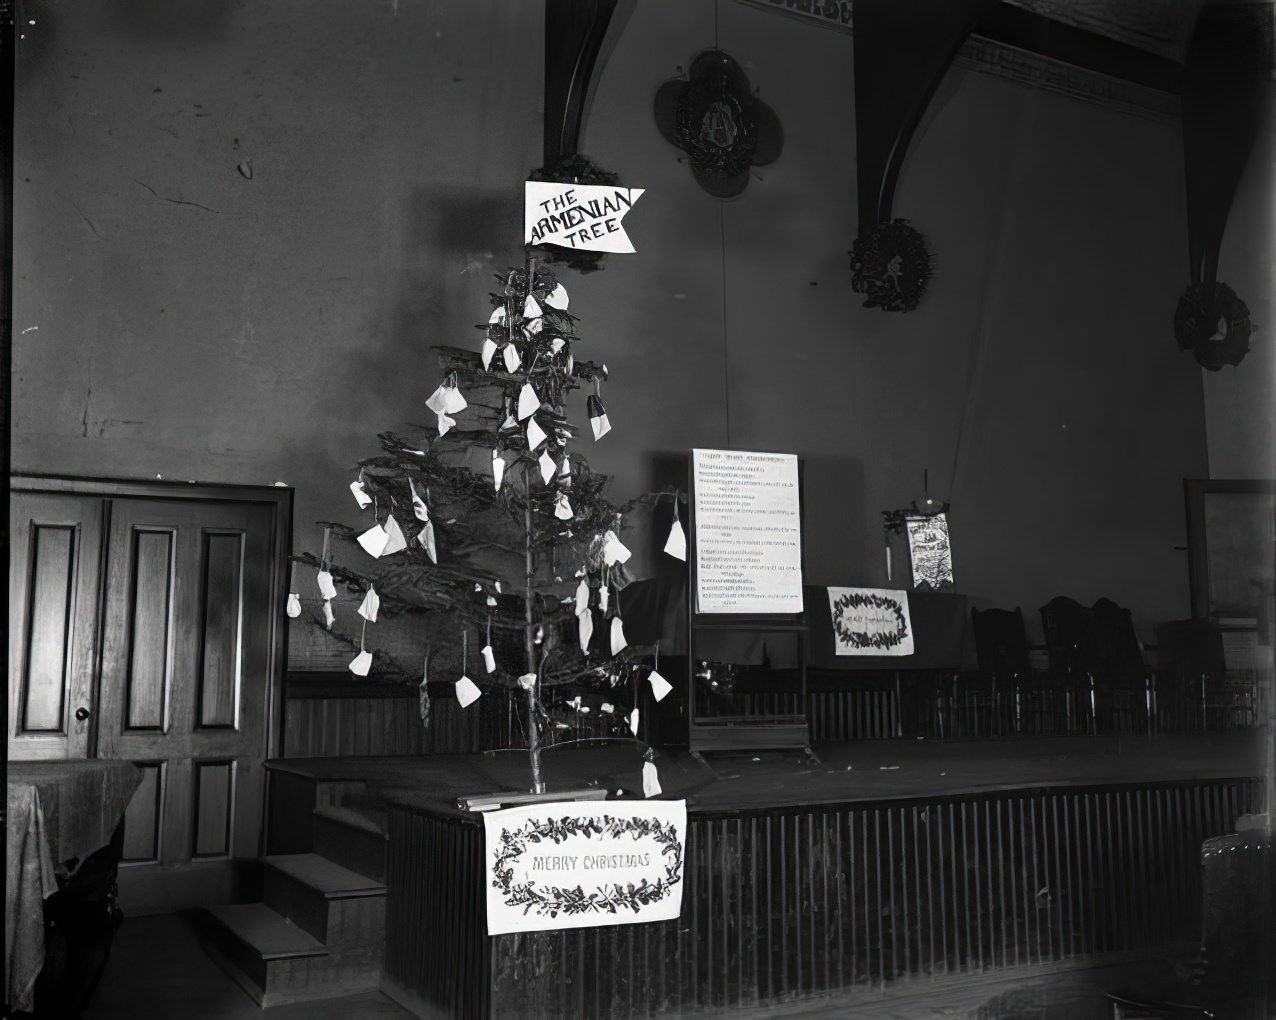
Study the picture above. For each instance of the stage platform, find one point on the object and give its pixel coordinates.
(888, 861)
(845, 773)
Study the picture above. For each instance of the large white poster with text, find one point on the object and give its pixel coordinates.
(579, 865)
(748, 532)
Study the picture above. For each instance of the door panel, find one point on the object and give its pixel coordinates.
(185, 672)
(54, 552)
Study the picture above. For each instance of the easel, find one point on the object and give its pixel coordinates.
(707, 734)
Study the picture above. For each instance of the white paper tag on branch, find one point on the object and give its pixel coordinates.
(650, 780)
(614, 550)
(445, 423)
(617, 635)
(360, 494)
(633, 722)
(563, 508)
(426, 540)
(557, 298)
(361, 663)
(498, 469)
(528, 402)
(659, 685)
(676, 543)
(531, 310)
(374, 541)
(370, 604)
(326, 588)
(467, 692)
(418, 504)
(604, 598)
(535, 435)
(586, 630)
(582, 597)
(489, 350)
(527, 681)
(329, 617)
(547, 466)
(394, 539)
(512, 360)
(489, 659)
(294, 605)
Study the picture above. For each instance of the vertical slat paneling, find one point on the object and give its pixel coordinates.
(221, 623)
(783, 904)
(142, 818)
(51, 600)
(149, 660)
(214, 798)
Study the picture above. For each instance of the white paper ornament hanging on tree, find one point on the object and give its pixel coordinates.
(586, 630)
(512, 360)
(418, 504)
(326, 588)
(361, 663)
(294, 605)
(557, 298)
(528, 402)
(489, 350)
(370, 604)
(394, 539)
(426, 540)
(467, 692)
(360, 494)
(618, 641)
(374, 541)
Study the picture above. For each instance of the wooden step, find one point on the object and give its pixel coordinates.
(261, 951)
(342, 908)
(354, 837)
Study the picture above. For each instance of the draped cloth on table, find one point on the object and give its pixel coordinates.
(60, 812)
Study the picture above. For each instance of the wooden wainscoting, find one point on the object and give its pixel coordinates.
(333, 715)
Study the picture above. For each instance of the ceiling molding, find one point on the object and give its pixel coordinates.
(1030, 69)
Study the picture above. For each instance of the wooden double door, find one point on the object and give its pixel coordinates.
(146, 624)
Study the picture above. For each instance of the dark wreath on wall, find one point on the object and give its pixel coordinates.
(891, 266)
(716, 118)
(1215, 328)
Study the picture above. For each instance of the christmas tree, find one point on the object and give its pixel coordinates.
(491, 526)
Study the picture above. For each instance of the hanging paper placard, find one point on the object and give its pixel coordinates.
(360, 494)
(361, 663)
(418, 504)
(535, 434)
(659, 685)
(579, 865)
(618, 641)
(562, 507)
(394, 540)
(676, 543)
(870, 621)
(586, 630)
(294, 605)
(557, 298)
(489, 349)
(329, 617)
(467, 692)
(748, 540)
(598, 420)
(547, 466)
(931, 552)
(489, 659)
(498, 470)
(426, 539)
(528, 402)
(650, 780)
(326, 588)
(582, 597)
(583, 216)
(512, 360)
(373, 541)
(531, 310)
(497, 316)
(370, 604)
(633, 722)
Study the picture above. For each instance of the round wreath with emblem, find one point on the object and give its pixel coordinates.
(1215, 328)
(861, 638)
(612, 898)
(891, 265)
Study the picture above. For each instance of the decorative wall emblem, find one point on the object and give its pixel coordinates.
(716, 118)
(1217, 332)
(892, 266)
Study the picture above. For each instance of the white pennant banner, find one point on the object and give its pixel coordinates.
(583, 216)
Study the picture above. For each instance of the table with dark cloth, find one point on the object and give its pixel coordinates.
(59, 813)
(655, 612)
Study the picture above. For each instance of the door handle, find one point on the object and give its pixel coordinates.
(82, 713)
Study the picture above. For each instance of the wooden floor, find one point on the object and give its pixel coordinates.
(158, 971)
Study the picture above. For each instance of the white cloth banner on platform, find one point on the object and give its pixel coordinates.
(870, 621)
(584, 864)
(584, 216)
